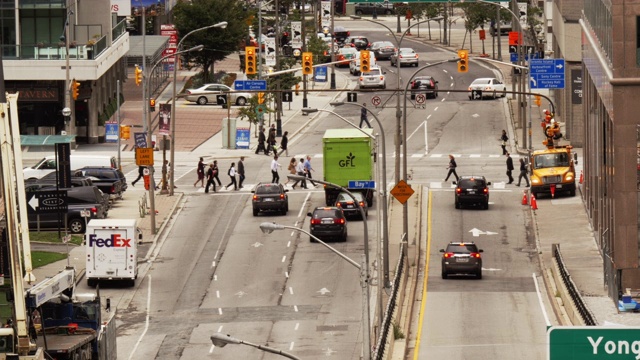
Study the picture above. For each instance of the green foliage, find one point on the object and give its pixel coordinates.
(287, 80)
(476, 15)
(319, 48)
(52, 237)
(249, 112)
(218, 43)
(42, 258)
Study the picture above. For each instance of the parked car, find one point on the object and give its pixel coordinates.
(48, 164)
(374, 78)
(51, 179)
(406, 56)
(345, 55)
(461, 258)
(424, 85)
(351, 208)
(78, 199)
(207, 94)
(110, 181)
(340, 34)
(383, 8)
(358, 42)
(382, 49)
(270, 197)
(472, 190)
(328, 223)
(488, 87)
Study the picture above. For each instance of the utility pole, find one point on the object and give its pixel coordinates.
(304, 48)
(278, 96)
(333, 53)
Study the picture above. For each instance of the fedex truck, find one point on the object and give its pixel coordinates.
(112, 250)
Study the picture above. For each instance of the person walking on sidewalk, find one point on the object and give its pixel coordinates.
(140, 175)
(271, 141)
(291, 168)
(210, 180)
(261, 140)
(283, 144)
(241, 171)
(504, 138)
(364, 116)
(452, 168)
(523, 173)
(308, 169)
(300, 172)
(509, 168)
(232, 175)
(200, 172)
(275, 178)
(216, 172)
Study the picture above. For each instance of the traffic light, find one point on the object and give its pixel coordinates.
(75, 89)
(307, 63)
(538, 100)
(365, 61)
(152, 105)
(260, 98)
(250, 60)
(138, 74)
(463, 63)
(125, 132)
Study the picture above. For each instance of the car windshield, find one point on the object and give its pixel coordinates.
(268, 189)
(550, 160)
(462, 248)
(325, 213)
(481, 82)
(385, 44)
(407, 51)
(472, 183)
(346, 197)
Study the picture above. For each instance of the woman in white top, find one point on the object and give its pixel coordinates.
(232, 175)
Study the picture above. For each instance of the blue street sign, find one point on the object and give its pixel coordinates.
(547, 73)
(514, 57)
(251, 85)
(242, 138)
(362, 184)
(112, 132)
(320, 74)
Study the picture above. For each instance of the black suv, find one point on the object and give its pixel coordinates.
(78, 199)
(328, 223)
(111, 181)
(351, 208)
(424, 85)
(270, 197)
(340, 34)
(472, 190)
(461, 258)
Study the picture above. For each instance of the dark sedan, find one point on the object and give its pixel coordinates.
(424, 85)
(383, 50)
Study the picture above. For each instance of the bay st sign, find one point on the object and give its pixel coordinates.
(593, 342)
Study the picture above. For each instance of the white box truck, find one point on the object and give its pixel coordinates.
(112, 250)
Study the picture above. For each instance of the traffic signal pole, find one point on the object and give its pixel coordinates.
(305, 102)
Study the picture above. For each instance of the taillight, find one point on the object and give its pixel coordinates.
(353, 45)
(361, 204)
(368, 44)
(339, 205)
(417, 56)
(475, 255)
(413, 84)
(281, 196)
(400, 56)
(94, 210)
(361, 78)
(433, 84)
(486, 190)
(458, 190)
(348, 33)
(381, 77)
(113, 189)
(448, 255)
(338, 221)
(315, 221)
(255, 197)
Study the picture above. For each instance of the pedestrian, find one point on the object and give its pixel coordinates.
(363, 115)
(271, 141)
(504, 138)
(140, 175)
(241, 171)
(275, 178)
(200, 172)
(232, 175)
(523, 173)
(283, 144)
(308, 169)
(452, 168)
(509, 168)
(300, 172)
(261, 140)
(291, 168)
(210, 179)
(216, 172)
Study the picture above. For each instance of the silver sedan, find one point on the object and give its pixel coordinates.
(406, 56)
(208, 94)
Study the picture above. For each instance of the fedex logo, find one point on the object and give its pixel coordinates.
(114, 241)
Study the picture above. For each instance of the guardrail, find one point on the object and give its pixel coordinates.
(586, 314)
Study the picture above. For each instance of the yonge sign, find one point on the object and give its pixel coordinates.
(593, 342)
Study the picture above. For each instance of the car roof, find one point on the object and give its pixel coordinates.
(384, 42)
(468, 177)
(424, 77)
(483, 79)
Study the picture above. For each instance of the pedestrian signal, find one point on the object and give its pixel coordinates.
(138, 74)
(125, 132)
(463, 62)
(260, 98)
(152, 105)
(250, 60)
(307, 63)
(75, 89)
(365, 61)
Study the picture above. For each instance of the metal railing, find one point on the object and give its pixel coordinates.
(586, 314)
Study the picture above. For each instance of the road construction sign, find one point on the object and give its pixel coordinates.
(402, 191)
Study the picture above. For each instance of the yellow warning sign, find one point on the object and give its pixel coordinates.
(402, 191)
(144, 156)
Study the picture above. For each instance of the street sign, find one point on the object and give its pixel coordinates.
(402, 191)
(320, 74)
(261, 109)
(421, 98)
(144, 156)
(376, 100)
(140, 139)
(593, 342)
(513, 49)
(515, 38)
(251, 85)
(112, 132)
(352, 97)
(221, 99)
(362, 184)
(48, 201)
(476, 94)
(514, 56)
(546, 73)
(287, 96)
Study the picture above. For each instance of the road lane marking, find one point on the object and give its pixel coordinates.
(290, 290)
(424, 281)
(146, 321)
(544, 311)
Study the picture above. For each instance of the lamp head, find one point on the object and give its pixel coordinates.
(269, 227)
(336, 103)
(221, 25)
(309, 110)
(220, 340)
(62, 38)
(296, 177)
(355, 17)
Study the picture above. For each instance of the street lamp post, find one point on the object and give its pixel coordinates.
(221, 25)
(66, 112)
(268, 227)
(152, 201)
(221, 340)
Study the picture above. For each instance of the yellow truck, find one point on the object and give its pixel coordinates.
(553, 171)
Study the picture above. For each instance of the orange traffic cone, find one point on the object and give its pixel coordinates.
(581, 177)
(534, 203)
(524, 198)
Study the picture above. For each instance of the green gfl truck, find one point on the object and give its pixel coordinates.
(348, 155)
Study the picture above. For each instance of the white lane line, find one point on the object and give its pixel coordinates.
(286, 274)
(291, 346)
(295, 308)
(445, 70)
(215, 277)
(219, 311)
(284, 258)
(290, 290)
(429, 117)
(544, 312)
(297, 326)
(218, 294)
(435, 109)
(146, 322)
(213, 264)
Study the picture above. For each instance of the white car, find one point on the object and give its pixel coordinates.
(354, 65)
(375, 78)
(407, 56)
(207, 94)
(486, 87)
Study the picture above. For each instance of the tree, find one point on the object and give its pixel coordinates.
(475, 15)
(218, 43)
